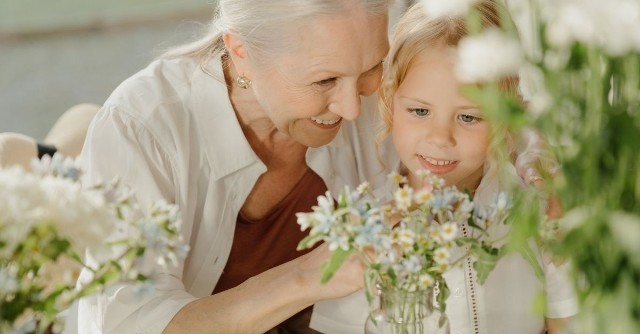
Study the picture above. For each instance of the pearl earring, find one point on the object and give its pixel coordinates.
(243, 82)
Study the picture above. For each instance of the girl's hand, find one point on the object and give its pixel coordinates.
(534, 162)
(534, 159)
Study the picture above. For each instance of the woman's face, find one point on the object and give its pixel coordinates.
(317, 84)
(435, 127)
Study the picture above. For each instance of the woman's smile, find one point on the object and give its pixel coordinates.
(326, 123)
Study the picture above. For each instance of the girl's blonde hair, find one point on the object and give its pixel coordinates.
(415, 33)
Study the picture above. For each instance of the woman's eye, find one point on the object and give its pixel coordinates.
(469, 118)
(326, 82)
(421, 112)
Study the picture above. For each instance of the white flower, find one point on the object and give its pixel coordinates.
(625, 228)
(338, 241)
(325, 203)
(573, 22)
(447, 8)
(304, 220)
(396, 178)
(442, 267)
(422, 196)
(388, 258)
(574, 218)
(448, 231)
(620, 32)
(502, 202)
(423, 173)
(613, 25)
(369, 234)
(405, 238)
(425, 280)
(364, 187)
(53, 219)
(403, 197)
(488, 56)
(441, 255)
(413, 264)
(434, 232)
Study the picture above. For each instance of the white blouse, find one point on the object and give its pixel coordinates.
(503, 304)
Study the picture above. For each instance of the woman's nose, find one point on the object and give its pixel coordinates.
(348, 105)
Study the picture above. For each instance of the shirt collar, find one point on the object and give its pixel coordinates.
(226, 146)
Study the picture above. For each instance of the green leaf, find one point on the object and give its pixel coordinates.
(442, 297)
(471, 222)
(334, 263)
(487, 260)
(393, 279)
(309, 241)
(370, 276)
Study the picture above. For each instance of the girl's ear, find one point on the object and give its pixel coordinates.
(238, 53)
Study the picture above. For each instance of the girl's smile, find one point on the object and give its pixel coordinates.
(437, 166)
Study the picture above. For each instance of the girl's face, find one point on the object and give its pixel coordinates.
(435, 127)
(311, 89)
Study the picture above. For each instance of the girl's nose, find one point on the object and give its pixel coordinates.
(441, 135)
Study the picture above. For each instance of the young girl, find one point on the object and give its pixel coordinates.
(435, 127)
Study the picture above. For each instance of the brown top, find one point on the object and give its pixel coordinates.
(259, 245)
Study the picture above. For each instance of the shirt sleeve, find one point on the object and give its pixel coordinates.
(562, 301)
(120, 144)
(346, 315)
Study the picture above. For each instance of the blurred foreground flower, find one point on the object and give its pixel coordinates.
(582, 75)
(48, 221)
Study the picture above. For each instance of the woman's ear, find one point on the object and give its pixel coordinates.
(238, 53)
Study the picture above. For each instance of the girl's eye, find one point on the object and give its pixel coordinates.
(420, 112)
(326, 82)
(469, 118)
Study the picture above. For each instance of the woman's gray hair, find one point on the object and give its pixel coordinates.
(265, 24)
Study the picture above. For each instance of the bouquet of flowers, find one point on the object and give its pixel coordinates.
(580, 65)
(409, 242)
(48, 220)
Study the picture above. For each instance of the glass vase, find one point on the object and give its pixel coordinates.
(405, 312)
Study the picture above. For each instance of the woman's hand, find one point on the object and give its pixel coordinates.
(347, 279)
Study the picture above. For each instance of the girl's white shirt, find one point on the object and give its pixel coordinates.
(504, 304)
(170, 133)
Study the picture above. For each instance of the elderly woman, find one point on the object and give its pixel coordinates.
(243, 128)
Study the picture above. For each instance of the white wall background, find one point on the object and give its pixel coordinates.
(55, 54)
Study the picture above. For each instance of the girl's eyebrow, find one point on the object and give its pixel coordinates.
(469, 108)
(415, 99)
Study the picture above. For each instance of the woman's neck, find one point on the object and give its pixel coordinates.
(260, 131)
